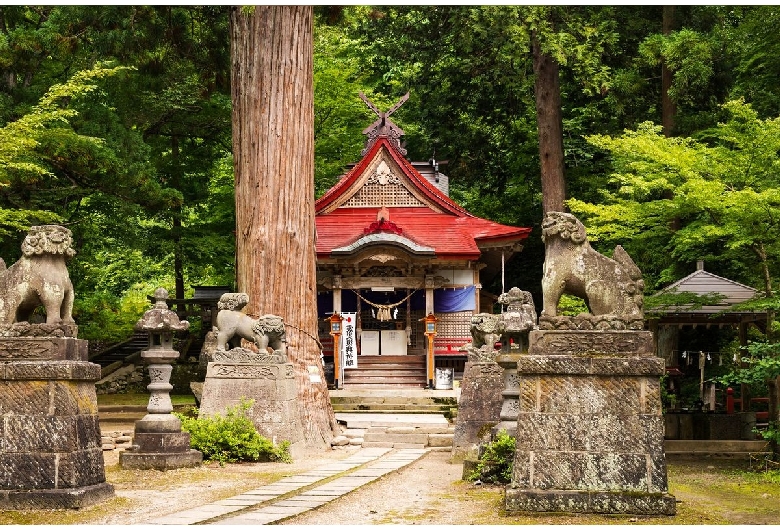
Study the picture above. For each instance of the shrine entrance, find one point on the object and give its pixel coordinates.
(394, 249)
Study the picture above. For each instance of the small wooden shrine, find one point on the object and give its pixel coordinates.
(392, 249)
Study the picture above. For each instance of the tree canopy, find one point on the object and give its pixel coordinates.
(115, 121)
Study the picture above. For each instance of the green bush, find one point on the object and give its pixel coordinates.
(232, 438)
(495, 462)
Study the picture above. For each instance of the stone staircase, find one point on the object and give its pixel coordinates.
(395, 404)
(387, 370)
(400, 431)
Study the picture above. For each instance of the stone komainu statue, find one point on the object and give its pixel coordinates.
(232, 325)
(39, 278)
(486, 330)
(611, 287)
(519, 316)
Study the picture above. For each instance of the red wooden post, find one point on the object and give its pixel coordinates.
(729, 400)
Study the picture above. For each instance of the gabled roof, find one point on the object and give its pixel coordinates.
(345, 187)
(427, 222)
(701, 283)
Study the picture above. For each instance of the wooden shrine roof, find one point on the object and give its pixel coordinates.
(426, 221)
(702, 283)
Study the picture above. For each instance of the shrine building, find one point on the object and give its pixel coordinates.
(392, 249)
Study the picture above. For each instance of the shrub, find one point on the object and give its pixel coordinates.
(495, 460)
(232, 438)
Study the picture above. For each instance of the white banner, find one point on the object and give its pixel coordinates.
(349, 358)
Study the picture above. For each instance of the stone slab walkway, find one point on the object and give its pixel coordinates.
(297, 494)
(362, 420)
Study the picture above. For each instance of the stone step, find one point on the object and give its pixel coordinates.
(421, 400)
(380, 372)
(374, 383)
(389, 411)
(384, 378)
(387, 406)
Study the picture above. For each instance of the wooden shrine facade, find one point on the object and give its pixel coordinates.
(392, 247)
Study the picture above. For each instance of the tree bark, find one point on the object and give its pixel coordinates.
(547, 91)
(668, 107)
(273, 150)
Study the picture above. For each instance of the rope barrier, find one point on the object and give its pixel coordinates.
(383, 310)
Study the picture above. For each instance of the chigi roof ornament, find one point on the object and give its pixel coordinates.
(383, 126)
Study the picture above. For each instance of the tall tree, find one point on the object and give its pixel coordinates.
(273, 144)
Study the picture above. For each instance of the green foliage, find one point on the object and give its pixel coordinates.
(109, 318)
(689, 56)
(570, 305)
(232, 437)
(661, 302)
(496, 460)
(673, 201)
(763, 364)
(772, 434)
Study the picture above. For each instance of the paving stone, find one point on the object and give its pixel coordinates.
(396, 438)
(440, 440)
(250, 518)
(389, 445)
(235, 502)
(325, 498)
(368, 472)
(299, 480)
(282, 510)
(406, 445)
(307, 503)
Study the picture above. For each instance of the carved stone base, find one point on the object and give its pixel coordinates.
(50, 446)
(271, 386)
(161, 451)
(56, 499)
(518, 500)
(590, 430)
(557, 342)
(479, 407)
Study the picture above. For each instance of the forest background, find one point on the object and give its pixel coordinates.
(116, 122)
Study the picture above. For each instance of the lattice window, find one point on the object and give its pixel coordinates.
(455, 325)
(377, 195)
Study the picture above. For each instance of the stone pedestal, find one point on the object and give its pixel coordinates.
(50, 455)
(158, 441)
(510, 395)
(272, 387)
(479, 407)
(590, 430)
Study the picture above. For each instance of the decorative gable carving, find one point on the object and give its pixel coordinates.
(383, 186)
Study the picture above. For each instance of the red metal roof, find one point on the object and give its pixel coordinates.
(452, 232)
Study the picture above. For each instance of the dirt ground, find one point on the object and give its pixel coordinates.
(427, 492)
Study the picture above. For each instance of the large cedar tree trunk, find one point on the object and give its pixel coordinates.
(273, 149)
(668, 107)
(547, 90)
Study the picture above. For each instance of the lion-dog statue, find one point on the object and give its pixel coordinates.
(519, 317)
(39, 278)
(232, 325)
(611, 287)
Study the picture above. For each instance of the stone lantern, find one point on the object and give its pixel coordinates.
(158, 441)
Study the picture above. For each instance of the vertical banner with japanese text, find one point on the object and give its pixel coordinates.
(348, 341)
